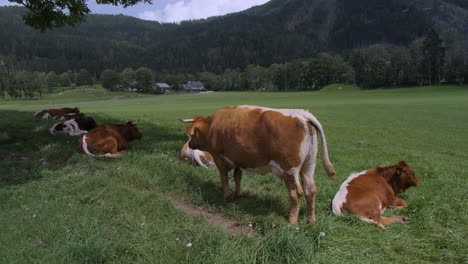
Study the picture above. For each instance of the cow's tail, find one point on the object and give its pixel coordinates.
(110, 155)
(84, 146)
(326, 160)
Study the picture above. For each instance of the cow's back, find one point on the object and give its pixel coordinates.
(252, 137)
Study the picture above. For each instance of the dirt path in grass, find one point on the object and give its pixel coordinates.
(225, 223)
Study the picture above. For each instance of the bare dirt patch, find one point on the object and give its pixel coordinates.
(225, 223)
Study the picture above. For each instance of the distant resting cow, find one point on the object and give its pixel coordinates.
(108, 140)
(368, 193)
(69, 116)
(73, 127)
(260, 139)
(195, 156)
(51, 113)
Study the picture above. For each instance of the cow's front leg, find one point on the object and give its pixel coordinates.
(237, 179)
(399, 204)
(223, 174)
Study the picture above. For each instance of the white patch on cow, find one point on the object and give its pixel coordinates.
(74, 128)
(84, 146)
(382, 211)
(197, 156)
(299, 113)
(71, 128)
(340, 197)
(308, 167)
(52, 129)
(46, 116)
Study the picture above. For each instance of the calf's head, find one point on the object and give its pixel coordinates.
(198, 132)
(130, 131)
(86, 123)
(401, 176)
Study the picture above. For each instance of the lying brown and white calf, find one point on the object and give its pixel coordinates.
(108, 139)
(73, 127)
(368, 193)
(195, 156)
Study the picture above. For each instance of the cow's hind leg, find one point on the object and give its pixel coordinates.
(308, 179)
(237, 179)
(295, 195)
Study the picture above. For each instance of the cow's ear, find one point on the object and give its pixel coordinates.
(402, 163)
(398, 171)
(193, 131)
(130, 123)
(191, 120)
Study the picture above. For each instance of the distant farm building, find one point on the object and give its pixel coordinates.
(161, 88)
(194, 86)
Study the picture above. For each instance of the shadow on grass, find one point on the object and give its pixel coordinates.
(249, 203)
(28, 151)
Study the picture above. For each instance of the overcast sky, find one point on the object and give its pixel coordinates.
(174, 10)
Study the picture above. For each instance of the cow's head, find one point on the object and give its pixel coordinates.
(130, 131)
(61, 128)
(198, 132)
(86, 123)
(40, 114)
(403, 177)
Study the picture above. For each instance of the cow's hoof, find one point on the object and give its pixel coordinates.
(405, 220)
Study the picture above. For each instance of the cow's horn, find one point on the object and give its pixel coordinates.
(187, 120)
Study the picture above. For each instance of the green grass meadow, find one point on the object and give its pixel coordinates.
(59, 206)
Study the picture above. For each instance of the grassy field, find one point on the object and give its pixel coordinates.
(58, 206)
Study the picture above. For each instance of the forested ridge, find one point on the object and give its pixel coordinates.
(274, 36)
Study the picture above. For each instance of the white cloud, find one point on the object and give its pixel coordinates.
(195, 9)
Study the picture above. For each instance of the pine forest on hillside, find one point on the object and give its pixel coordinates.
(282, 45)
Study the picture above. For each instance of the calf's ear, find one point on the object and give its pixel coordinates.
(402, 163)
(398, 171)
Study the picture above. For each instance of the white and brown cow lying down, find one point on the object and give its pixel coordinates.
(58, 112)
(368, 193)
(282, 141)
(69, 116)
(196, 157)
(73, 127)
(108, 140)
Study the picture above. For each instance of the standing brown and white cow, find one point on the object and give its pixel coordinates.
(109, 140)
(58, 112)
(368, 193)
(260, 139)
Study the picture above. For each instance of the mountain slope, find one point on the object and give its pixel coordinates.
(278, 31)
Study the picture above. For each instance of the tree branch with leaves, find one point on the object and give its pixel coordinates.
(49, 14)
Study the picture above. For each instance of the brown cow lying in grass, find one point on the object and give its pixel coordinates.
(58, 112)
(367, 194)
(109, 140)
(195, 156)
